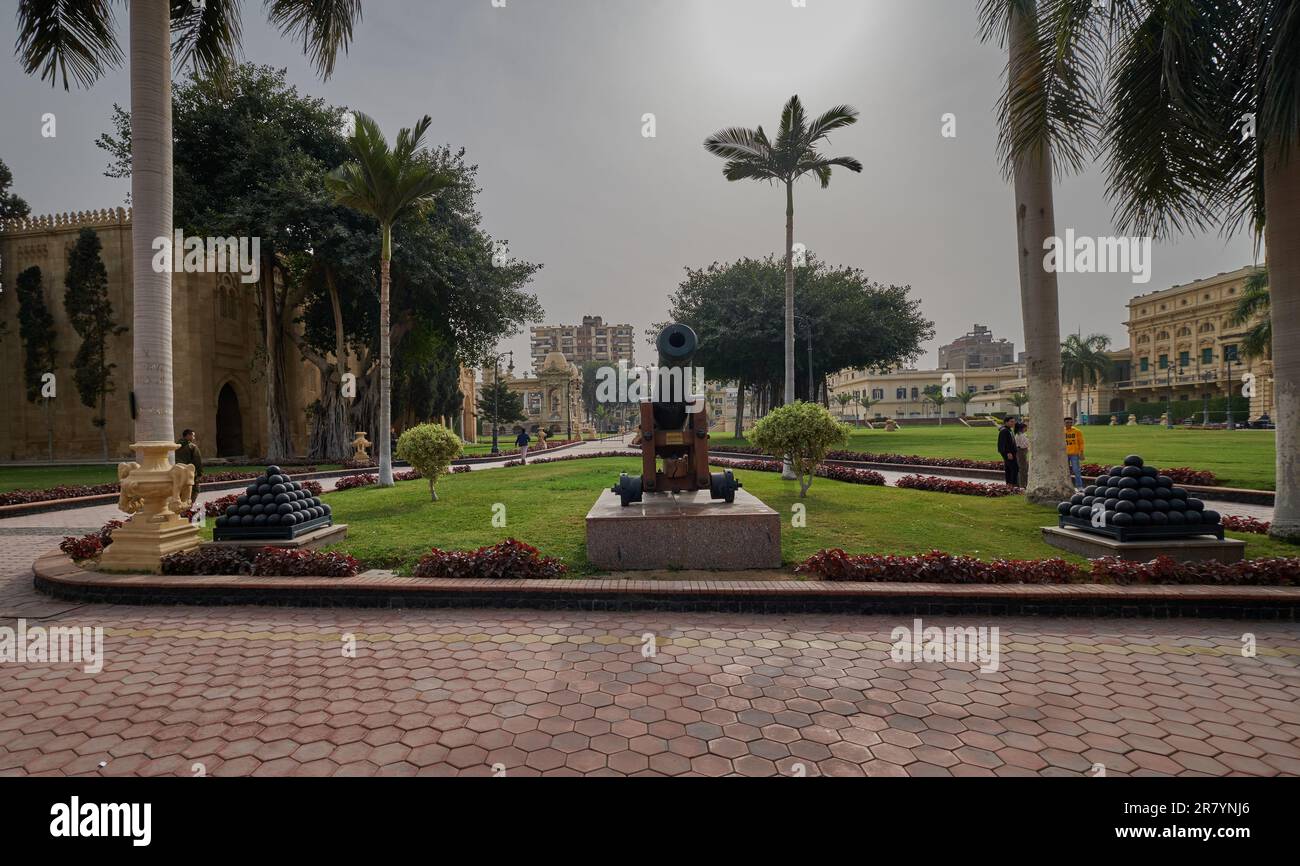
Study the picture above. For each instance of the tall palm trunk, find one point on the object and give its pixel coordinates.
(740, 409)
(1282, 237)
(1048, 481)
(788, 397)
(384, 433)
(151, 197)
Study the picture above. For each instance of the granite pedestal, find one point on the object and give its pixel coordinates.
(683, 530)
(1194, 549)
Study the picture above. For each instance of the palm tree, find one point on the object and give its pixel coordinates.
(1084, 363)
(1252, 309)
(965, 397)
(751, 156)
(1205, 132)
(1019, 399)
(390, 185)
(1047, 123)
(844, 398)
(934, 393)
(58, 38)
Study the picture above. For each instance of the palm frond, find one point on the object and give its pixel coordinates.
(837, 118)
(205, 38)
(821, 167)
(324, 25)
(67, 38)
(738, 143)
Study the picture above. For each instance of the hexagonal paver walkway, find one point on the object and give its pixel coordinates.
(266, 691)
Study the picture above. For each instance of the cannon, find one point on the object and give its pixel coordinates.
(674, 430)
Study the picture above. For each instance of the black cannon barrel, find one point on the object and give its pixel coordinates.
(677, 344)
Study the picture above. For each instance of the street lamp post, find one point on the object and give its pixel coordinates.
(812, 388)
(1230, 355)
(1169, 403)
(496, 395)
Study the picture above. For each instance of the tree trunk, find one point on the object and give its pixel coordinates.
(789, 395)
(49, 431)
(740, 408)
(277, 438)
(103, 424)
(1282, 238)
(151, 198)
(384, 434)
(1036, 221)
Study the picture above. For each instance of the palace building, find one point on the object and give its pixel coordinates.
(218, 384)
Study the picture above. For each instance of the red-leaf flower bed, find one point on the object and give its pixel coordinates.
(83, 547)
(63, 491)
(1246, 524)
(267, 562)
(936, 484)
(847, 474)
(461, 468)
(508, 559)
(1184, 475)
(411, 475)
(349, 482)
(940, 567)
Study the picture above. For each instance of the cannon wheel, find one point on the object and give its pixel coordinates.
(723, 485)
(628, 489)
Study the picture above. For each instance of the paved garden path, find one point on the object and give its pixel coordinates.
(245, 690)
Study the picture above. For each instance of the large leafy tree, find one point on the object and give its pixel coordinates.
(1084, 363)
(1203, 132)
(71, 40)
(91, 315)
(856, 323)
(391, 185)
(11, 206)
(750, 155)
(39, 336)
(1047, 124)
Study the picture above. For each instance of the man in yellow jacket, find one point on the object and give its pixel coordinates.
(1074, 451)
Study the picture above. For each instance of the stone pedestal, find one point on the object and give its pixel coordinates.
(685, 530)
(317, 538)
(1196, 549)
(152, 492)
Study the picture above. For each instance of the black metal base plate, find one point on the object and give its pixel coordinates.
(270, 533)
(1144, 533)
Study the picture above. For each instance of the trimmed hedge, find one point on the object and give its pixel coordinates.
(267, 562)
(936, 484)
(509, 559)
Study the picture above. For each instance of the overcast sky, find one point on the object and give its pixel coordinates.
(548, 98)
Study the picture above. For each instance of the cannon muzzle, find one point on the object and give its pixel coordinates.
(677, 344)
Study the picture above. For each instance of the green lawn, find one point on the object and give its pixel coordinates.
(1240, 458)
(41, 477)
(546, 506)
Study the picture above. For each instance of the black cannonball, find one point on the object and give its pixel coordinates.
(1150, 472)
(273, 470)
(1164, 481)
(1146, 506)
(1177, 518)
(315, 500)
(1133, 460)
(1146, 493)
(1162, 506)
(259, 520)
(1163, 493)
(1126, 507)
(251, 489)
(1159, 518)
(1128, 494)
(290, 519)
(1195, 505)
(1192, 516)
(284, 507)
(1211, 518)
(263, 488)
(221, 521)
(245, 499)
(1122, 519)
(246, 520)
(1131, 472)
(1178, 493)
(1090, 490)
(1128, 483)
(281, 498)
(1146, 482)
(1076, 499)
(277, 489)
(1141, 518)
(1088, 500)
(245, 509)
(1110, 517)
(273, 519)
(328, 510)
(1115, 471)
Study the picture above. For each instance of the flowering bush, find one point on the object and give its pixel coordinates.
(82, 547)
(1246, 524)
(463, 468)
(506, 559)
(952, 485)
(939, 567)
(348, 482)
(279, 562)
(209, 560)
(106, 532)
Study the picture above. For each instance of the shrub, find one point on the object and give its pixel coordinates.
(936, 484)
(348, 482)
(409, 475)
(506, 559)
(459, 469)
(209, 560)
(313, 488)
(360, 464)
(279, 562)
(1246, 524)
(62, 491)
(106, 532)
(430, 448)
(803, 432)
(1184, 475)
(81, 548)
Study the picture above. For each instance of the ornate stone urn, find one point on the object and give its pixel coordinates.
(360, 444)
(1132, 421)
(152, 493)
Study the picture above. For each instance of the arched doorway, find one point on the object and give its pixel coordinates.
(230, 424)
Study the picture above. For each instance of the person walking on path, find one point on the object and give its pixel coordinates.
(1022, 453)
(541, 439)
(1007, 448)
(188, 452)
(1074, 451)
(521, 442)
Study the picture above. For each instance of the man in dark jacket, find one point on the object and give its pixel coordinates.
(1007, 448)
(188, 452)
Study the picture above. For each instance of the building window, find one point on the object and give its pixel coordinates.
(900, 394)
(1230, 353)
(877, 393)
(1164, 362)
(1184, 359)
(1207, 356)
(916, 393)
(1144, 364)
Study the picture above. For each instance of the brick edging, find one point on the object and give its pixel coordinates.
(56, 575)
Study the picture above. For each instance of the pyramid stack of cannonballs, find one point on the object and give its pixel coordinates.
(272, 507)
(1136, 498)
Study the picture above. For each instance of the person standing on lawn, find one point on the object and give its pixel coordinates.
(1007, 448)
(188, 452)
(521, 442)
(1022, 453)
(1074, 451)
(541, 439)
